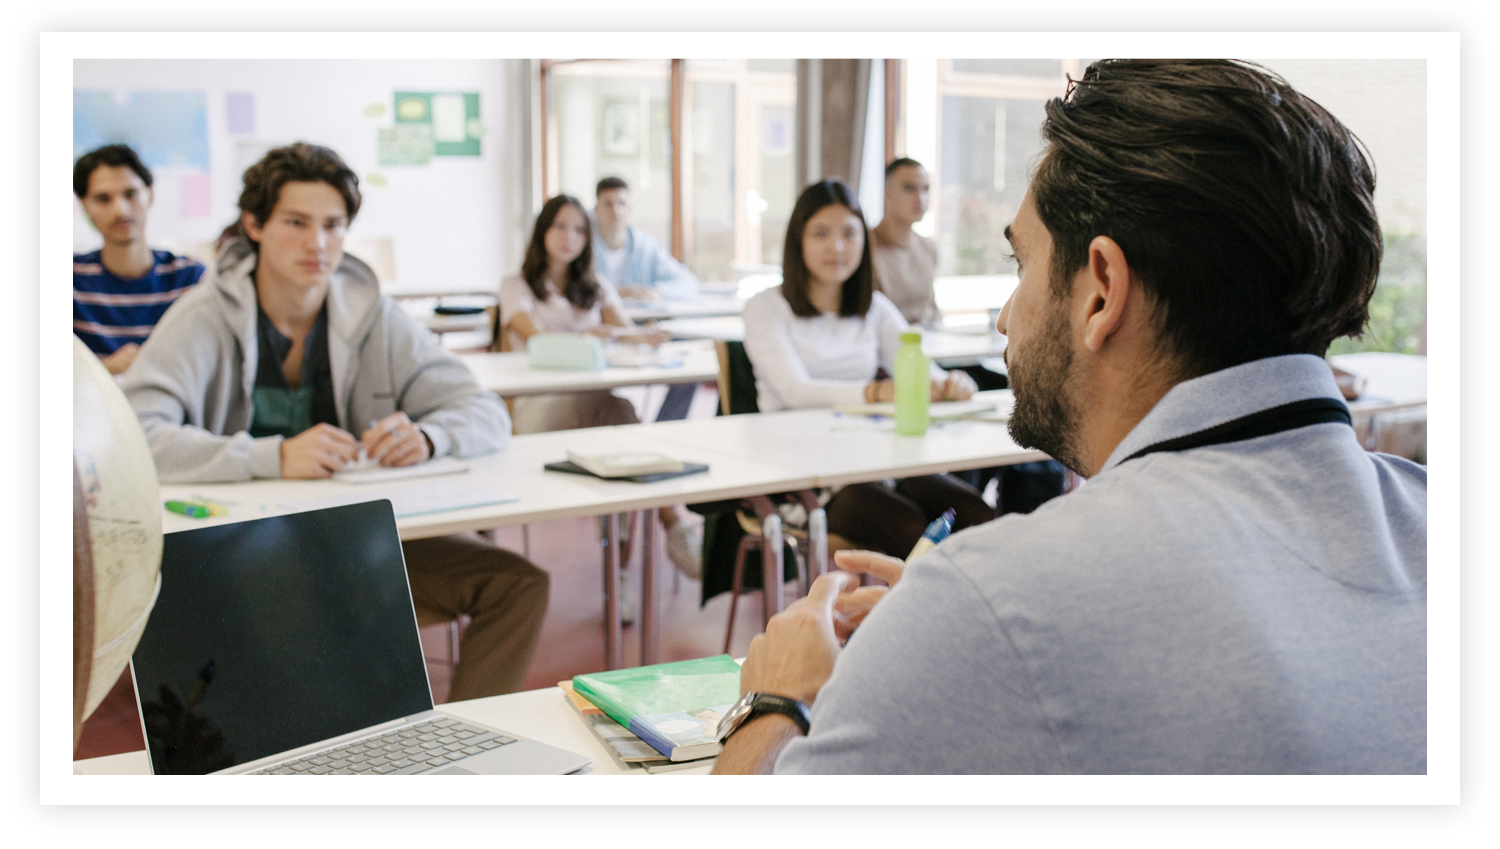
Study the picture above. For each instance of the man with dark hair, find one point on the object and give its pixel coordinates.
(1239, 588)
(634, 262)
(906, 261)
(121, 290)
(288, 349)
(640, 268)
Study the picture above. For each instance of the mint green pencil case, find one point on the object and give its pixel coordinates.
(565, 351)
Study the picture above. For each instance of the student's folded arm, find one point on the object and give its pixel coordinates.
(186, 453)
(440, 394)
(768, 343)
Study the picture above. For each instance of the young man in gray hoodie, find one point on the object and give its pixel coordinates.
(288, 350)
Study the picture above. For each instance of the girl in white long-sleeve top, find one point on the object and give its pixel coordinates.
(825, 337)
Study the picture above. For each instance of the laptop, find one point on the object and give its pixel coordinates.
(289, 645)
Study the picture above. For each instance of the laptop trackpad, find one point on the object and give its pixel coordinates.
(523, 757)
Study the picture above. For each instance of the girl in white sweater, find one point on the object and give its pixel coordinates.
(825, 337)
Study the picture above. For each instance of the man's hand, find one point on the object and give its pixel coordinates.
(317, 452)
(395, 441)
(121, 359)
(853, 606)
(795, 656)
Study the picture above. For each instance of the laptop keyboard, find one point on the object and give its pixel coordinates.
(412, 748)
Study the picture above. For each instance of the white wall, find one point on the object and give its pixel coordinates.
(458, 223)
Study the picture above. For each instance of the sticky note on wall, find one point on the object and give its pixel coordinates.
(239, 112)
(196, 195)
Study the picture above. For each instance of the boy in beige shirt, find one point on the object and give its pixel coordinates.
(906, 262)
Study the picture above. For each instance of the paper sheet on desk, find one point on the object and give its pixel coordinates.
(631, 358)
(411, 500)
(369, 471)
(936, 411)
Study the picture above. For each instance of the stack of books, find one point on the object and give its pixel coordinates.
(660, 718)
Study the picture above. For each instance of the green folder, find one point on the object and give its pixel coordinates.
(673, 706)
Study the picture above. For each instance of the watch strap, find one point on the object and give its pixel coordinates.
(768, 703)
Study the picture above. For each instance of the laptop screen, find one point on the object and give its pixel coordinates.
(276, 633)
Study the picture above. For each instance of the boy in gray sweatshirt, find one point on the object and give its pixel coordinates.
(287, 350)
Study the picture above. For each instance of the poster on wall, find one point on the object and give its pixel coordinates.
(165, 128)
(430, 124)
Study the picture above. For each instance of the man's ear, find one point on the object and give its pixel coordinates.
(252, 228)
(1107, 286)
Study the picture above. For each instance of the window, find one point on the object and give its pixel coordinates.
(738, 158)
(609, 118)
(740, 155)
(984, 136)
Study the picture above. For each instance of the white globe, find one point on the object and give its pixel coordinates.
(116, 533)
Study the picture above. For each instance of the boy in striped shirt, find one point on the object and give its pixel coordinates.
(121, 290)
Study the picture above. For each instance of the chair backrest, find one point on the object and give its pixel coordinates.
(736, 379)
(499, 339)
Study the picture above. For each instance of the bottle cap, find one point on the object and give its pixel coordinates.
(912, 336)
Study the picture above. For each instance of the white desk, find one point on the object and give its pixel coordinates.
(542, 715)
(509, 375)
(837, 450)
(705, 305)
(746, 455)
(1392, 381)
(544, 496)
(948, 348)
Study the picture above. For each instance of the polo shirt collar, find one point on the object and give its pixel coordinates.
(1225, 395)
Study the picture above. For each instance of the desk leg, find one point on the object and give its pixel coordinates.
(771, 563)
(613, 638)
(648, 587)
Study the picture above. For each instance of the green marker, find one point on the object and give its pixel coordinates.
(195, 511)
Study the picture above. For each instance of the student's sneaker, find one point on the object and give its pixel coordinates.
(685, 546)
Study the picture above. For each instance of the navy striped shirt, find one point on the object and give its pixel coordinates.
(109, 312)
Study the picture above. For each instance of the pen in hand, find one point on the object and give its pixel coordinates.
(936, 532)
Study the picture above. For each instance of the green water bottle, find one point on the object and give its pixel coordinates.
(913, 385)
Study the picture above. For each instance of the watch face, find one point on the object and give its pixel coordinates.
(735, 716)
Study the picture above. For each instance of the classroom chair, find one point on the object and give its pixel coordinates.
(752, 527)
(427, 618)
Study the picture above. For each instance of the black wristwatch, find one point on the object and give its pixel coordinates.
(753, 703)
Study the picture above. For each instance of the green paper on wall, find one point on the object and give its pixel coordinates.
(451, 118)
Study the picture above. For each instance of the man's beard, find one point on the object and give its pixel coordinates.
(1044, 417)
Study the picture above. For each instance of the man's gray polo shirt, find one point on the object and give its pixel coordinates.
(1250, 607)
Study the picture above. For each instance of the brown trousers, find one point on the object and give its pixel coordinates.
(504, 595)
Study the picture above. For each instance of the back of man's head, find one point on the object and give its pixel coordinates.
(1245, 208)
(112, 156)
(296, 163)
(609, 184)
